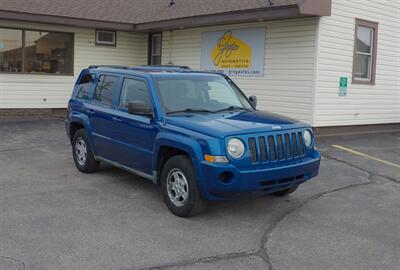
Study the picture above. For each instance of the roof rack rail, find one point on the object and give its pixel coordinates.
(109, 66)
(142, 67)
(166, 66)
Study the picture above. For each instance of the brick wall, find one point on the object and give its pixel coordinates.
(31, 113)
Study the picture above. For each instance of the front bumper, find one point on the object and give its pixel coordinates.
(226, 181)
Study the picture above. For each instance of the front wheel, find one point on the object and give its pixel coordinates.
(179, 187)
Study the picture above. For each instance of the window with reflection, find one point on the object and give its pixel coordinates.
(134, 90)
(10, 50)
(36, 52)
(48, 52)
(365, 50)
(105, 90)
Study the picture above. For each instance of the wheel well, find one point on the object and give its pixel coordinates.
(74, 127)
(165, 153)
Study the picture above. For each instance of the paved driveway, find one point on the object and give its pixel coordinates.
(53, 217)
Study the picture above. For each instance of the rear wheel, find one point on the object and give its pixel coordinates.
(285, 192)
(83, 154)
(179, 187)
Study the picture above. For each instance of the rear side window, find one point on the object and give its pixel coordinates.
(134, 90)
(105, 89)
(85, 85)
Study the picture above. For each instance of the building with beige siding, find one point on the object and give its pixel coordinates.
(329, 63)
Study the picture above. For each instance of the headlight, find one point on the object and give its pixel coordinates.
(235, 148)
(307, 138)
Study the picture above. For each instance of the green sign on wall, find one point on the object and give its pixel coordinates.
(343, 86)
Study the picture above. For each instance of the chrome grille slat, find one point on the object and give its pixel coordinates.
(277, 147)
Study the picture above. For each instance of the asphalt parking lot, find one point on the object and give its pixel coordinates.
(53, 217)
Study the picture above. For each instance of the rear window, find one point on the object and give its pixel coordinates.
(85, 85)
(105, 90)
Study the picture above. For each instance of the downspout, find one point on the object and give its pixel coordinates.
(316, 73)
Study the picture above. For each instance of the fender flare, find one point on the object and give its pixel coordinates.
(83, 119)
(183, 143)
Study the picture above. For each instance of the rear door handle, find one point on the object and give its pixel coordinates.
(90, 111)
(117, 119)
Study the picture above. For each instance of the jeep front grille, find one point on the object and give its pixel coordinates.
(280, 147)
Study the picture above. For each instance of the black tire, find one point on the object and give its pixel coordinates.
(285, 192)
(194, 203)
(90, 164)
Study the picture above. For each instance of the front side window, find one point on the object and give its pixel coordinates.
(105, 90)
(210, 93)
(36, 52)
(134, 90)
(365, 52)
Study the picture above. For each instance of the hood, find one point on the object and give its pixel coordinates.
(233, 123)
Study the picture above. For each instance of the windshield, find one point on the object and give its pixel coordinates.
(205, 93)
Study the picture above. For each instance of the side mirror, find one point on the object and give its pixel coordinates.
(139, 108)
(253, 101)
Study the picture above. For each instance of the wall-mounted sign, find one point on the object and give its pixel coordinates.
(238, 52)
(343, 83)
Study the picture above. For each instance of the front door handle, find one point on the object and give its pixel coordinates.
(117, 119)
(90, 111)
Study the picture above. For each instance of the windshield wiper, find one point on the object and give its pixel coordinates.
(232, 108)
(188, 110)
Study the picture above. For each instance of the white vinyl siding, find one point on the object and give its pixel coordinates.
(288, 81)
(364, 104)
(53, 91)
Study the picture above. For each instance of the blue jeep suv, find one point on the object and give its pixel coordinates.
(194, 133)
